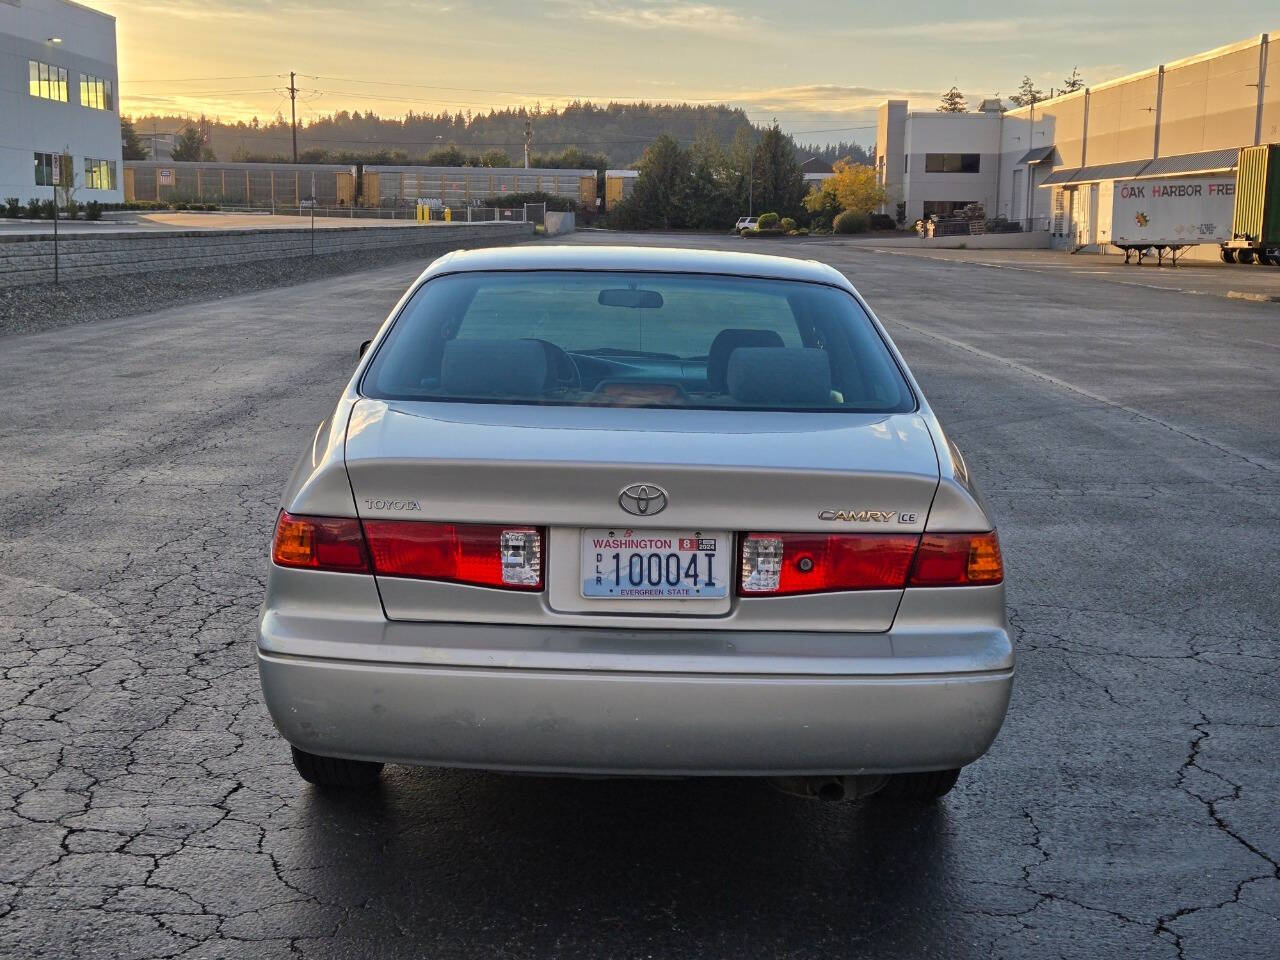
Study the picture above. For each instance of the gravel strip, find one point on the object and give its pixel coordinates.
(36, 307)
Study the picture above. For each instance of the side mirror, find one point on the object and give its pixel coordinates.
(364, 347)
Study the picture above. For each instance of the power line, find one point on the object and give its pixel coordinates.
(243, 76)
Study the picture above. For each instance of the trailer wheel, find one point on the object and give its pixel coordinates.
(1264, 259)
(1244, 256)
(1228, 256)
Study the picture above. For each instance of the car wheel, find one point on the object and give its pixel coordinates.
(335, 771)
(918, 786)
(1228, 256)
(1244, 256)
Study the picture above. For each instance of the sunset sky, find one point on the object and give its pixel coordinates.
(820, 67)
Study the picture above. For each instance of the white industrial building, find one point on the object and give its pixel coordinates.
(59, 101)
(1053, 166)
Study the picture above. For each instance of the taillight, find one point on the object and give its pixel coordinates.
(319, 543)
(779, 563)
(489, 555)
(957, 560)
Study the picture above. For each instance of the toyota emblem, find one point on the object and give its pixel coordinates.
(643, 499)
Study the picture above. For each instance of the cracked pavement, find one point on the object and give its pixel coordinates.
(1127, 440)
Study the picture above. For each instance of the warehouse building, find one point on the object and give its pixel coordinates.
(1053, 166)
(58, 101)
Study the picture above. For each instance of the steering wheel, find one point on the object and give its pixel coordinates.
(562, 371)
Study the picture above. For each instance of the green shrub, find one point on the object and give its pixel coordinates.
(511, 201)
(882, 221)
(850, 222)
(787, 224)
(34, 210)
(12, 208)
(47, 209)
(767, 221)
(72, 210)
(766, 232)
(802, 232)
(93, 210)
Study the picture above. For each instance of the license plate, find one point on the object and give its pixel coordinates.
(625, 564)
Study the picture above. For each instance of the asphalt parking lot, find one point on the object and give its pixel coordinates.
(1127, 439)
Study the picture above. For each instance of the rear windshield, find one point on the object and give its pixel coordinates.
(637, 339)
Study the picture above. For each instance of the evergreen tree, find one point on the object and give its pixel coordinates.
(132, 148)
(1073, 82)
(189, 144)
(655, 201)
(779, 184)
(953, 101)
(1027, 94)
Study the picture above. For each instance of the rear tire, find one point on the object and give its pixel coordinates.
(1244, 256)
(1263, 258)
(918, 787)
(335, 771)
(1228, 256)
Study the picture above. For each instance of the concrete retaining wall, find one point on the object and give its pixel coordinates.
(29, 259)
(557, 223)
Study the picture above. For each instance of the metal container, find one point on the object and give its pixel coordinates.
(1257, 212)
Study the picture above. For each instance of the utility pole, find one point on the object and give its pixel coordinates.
(293, 112)
(528, 140)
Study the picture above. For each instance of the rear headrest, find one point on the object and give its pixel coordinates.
(725, 343)
(779, 375)
(494, 367)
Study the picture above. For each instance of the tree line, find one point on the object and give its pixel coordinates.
(707, 186)
(618, 132)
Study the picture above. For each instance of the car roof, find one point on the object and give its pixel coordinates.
(656, 259)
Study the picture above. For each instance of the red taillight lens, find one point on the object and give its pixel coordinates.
(778, 563)
(957, 560)
(319, 543)
(487, 555)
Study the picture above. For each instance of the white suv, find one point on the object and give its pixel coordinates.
(746, 223)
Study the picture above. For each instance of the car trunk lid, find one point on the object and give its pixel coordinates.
(564, 468)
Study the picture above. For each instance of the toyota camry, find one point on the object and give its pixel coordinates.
(636, 512)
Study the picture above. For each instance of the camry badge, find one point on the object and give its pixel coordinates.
(643, 499)
(865, 516)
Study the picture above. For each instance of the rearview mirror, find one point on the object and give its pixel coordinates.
(364, 348)
(629, 297)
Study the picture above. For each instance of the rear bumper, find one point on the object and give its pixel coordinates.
(633, 722)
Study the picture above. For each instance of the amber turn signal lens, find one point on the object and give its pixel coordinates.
(985, 565)
(295, 544)
(320, 543)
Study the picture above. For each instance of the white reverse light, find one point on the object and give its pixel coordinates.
(761, 564)
(521, 557)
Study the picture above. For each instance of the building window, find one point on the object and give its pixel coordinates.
(95, 93)
(44, 169)
(906, 163)
(46, 81)
(952, 162)
(944, 208)
(99, 174)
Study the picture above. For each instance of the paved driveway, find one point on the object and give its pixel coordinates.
(1129, 443)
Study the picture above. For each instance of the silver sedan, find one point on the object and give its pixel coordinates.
(617, 511)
